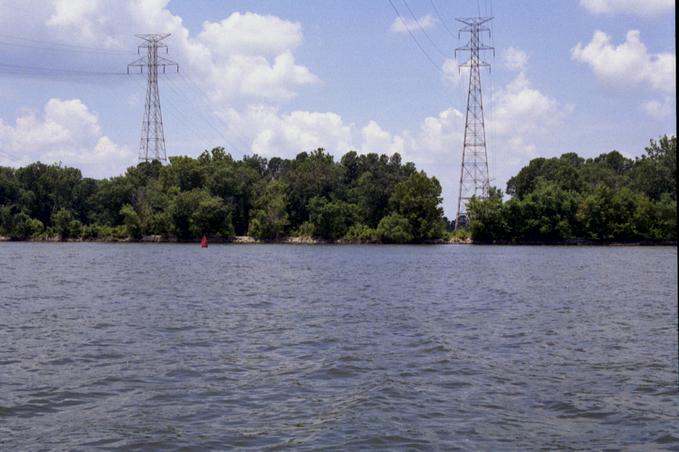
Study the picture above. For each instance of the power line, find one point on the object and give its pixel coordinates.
(42, 70)
(206, 104)
(13, 157)
(207, 120)
(424, 31)
(53, 45)
(182, 115)
(424, 52)
(443, 20)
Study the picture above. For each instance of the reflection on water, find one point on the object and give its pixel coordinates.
(348, 347)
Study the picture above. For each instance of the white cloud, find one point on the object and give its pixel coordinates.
(247, 61)
(376, 139)
(272, 133)
(629, 63)
(76, 13)
(251, 34)
(451, 73)
(401, 25)
(520, 108)
(515, 59)
(660, 109)
(633, 7)
(68, 132)
(522, 119)
(243, 57)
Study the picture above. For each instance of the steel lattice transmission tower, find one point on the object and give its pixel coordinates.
(152, 146)
(474, 177)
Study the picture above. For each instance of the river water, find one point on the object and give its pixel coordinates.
(165, 346)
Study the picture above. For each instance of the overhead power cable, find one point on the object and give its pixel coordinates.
(442, 19)
(424, 52)
(206, 101)
(19, 41)
(11, 156)
(424, 32)
(205, 119)
(50, 71)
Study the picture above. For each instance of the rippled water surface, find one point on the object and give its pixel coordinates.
(337, 347)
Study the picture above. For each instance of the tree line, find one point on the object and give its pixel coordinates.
(609, 198)
(361, 198)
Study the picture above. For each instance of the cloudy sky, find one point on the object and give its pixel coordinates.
(277, 77)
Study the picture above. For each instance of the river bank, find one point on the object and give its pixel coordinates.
(237, 240)
(248, 240)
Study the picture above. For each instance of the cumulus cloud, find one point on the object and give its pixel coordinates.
(244, 56)
(251, 34)
(451, 73)
(404, 25)
(515, 59)
(247, 61)
(521, 108)
(629, 63)
(376, 139)
(660, 109)
(522, 118)
(632, 7)
(270, 132)
(66, 131)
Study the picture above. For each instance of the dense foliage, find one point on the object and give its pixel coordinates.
(362, 198)
(602, 199)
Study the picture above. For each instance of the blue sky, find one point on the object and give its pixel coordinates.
(278, 77)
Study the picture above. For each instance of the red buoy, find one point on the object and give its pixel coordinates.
(203, 242)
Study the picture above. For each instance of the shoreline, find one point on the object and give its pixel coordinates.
(247, 240)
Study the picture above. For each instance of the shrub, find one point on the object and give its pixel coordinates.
(394, 229)
(305, 230)
(360, 233)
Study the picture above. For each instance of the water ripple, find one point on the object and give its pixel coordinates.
(137, 347)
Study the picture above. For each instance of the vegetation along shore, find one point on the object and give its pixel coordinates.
(360, 199)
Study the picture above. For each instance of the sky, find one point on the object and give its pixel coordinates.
(279, 77)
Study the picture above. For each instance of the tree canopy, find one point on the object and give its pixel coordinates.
(606, 198)
(220, 196)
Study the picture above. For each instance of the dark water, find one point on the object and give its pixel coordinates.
(337, 347)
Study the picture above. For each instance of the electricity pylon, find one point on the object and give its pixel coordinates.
(152, 146)
(474, 178)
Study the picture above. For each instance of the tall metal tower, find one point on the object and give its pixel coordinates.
(152, 146)
(474, 178)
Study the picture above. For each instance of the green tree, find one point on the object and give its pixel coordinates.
(65, 225)
(110, 197)
(395, 228)
(360, 233)
(609, 215)
(418, 199)
(331, 219)
(269, 219)
(25, 227)
(312, 175)
(131, 221)
(655, 172)
(546, 214)
(196, 212)
(183, 172)
(488, 219)
(212, 217)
